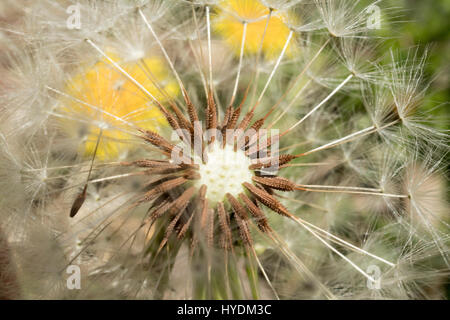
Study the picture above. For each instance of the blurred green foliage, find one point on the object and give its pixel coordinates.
(429, 24)
(425, 23)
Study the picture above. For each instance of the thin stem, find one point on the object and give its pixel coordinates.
(339, 141)
(94, 154)
(344, 188)
(333, 189)
(333, 249)
(264, 273)
(299, 266)
(126, 74)
(180, 83)
(349, 138)
(343, 242)
(146, 69)
(320, 104)
(306, 164)
(200, 71)
(244, 31)
(288, 106)
(208, 24)
(291, 86)
(92, 107)
(99, 180)
(104, 205)
(274, 68)
(105, 164)
(312, 205)
(258, 56)
(199, 44)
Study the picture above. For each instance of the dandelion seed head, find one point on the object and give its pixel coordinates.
(92, 119)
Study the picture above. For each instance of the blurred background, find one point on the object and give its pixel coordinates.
(418, 23)
(426, 24)
(415, 23)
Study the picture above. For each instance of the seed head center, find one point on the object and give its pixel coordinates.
(224, 172)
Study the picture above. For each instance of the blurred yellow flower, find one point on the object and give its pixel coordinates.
(114, 97)
(229, 23)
